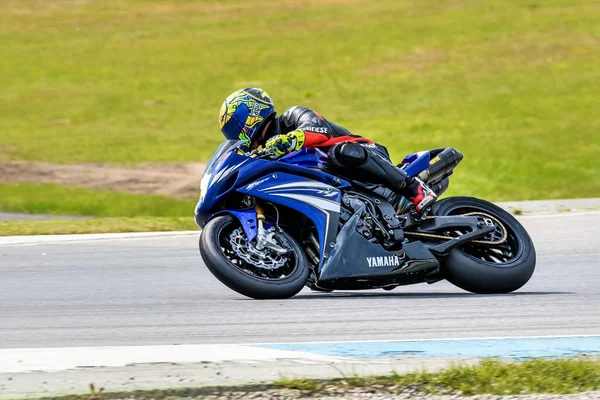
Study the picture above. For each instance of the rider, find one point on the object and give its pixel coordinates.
(249, 115)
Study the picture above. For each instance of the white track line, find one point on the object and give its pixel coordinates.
(60, 359)
(37, 239)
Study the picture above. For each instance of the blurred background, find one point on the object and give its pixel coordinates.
(108, 108)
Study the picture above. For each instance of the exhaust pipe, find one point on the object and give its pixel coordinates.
(441, 165)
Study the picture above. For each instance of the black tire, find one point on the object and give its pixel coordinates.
(480, 276)
(244, 282)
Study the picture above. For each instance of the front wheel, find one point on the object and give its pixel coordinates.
(501, 262)
(259, 274)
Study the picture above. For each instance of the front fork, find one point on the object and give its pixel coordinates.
(261, 237)
(266, 238)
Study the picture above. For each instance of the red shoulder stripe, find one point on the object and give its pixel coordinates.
(314, 139)
(339, 139)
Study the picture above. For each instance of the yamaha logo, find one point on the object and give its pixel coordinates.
(384, 261)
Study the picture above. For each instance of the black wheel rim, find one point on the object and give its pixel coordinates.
(287, 268)
(499, 254)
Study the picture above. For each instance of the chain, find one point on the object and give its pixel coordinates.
(430, 235)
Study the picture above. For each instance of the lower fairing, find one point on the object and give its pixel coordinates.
(356, 263)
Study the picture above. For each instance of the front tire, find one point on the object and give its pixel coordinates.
(247, 278)
(488, 269)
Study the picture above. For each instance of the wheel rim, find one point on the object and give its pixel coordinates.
(500, 254)
(264, 264)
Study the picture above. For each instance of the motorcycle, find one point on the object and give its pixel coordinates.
(271, 227)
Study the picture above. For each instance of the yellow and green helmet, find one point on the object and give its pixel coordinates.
(243, 113)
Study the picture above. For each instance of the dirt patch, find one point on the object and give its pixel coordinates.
(175, 180)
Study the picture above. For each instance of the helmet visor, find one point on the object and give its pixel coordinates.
(234, 129)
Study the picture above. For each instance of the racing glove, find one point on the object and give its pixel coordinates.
(281, 145)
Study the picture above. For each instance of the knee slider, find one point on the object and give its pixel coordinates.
(349, 154)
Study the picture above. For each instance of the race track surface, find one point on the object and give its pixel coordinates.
(157, 291)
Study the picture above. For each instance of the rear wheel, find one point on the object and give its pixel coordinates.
(260, 274)
(501, 262)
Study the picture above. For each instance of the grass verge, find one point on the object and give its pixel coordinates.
(489, 377)
(509, 83)
(97, 225)
(61, 200)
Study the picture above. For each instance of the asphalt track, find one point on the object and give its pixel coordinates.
(156, 291)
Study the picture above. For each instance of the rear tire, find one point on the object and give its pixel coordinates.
(241, 280)
(476, 273)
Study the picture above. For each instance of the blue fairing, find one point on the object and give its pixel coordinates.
(297, 181)
(247, 219)
(316, 200)
(231, 170)
(418, 163)
(309, 158)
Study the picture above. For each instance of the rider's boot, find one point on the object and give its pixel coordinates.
(372, 165)
(412, 188)
(420, 195)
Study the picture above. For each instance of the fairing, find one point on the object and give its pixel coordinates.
(316, 200)
(296, 181)
(299, 181)
(417, 163)
(354, 257)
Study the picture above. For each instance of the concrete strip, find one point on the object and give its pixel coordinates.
(551, 206)
(173, 375)
(13, 216)
(60, 359)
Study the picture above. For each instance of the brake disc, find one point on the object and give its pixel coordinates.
(247, 252)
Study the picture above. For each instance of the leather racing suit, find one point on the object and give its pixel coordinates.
(359, 157)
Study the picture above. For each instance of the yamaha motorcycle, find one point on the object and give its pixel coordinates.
(269, 228)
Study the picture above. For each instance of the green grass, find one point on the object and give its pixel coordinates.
(59, 200)
(512, 84)
(488, 377)
(517, 211)
(533, 376)
(97, 225)
(115, 212)
(560, 376)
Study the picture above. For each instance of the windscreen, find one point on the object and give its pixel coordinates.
(223, 147)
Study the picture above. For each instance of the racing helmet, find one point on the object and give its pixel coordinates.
(244, 112)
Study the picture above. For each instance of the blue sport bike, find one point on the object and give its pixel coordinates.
(269, 228)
